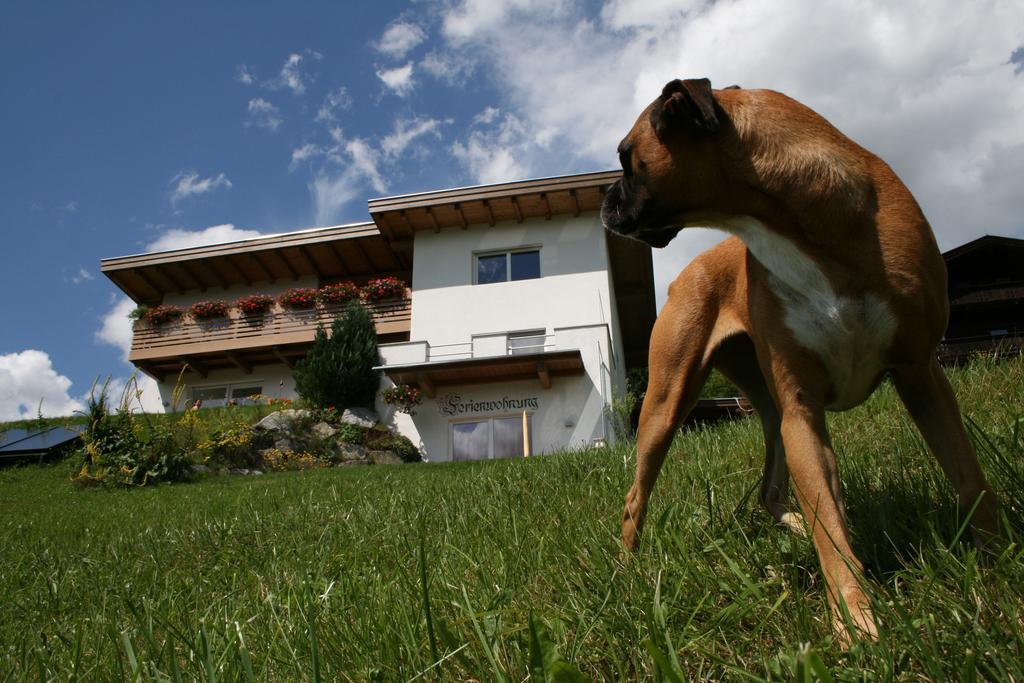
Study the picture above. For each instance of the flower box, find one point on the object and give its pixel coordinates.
(253, 305)
(338, 293)
(298, 299)
(208, 310)
(403, 397)
(383, 288)
(163, 314)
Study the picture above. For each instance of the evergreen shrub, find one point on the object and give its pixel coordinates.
(338, 370)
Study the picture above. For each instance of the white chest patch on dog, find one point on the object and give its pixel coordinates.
(849, 335)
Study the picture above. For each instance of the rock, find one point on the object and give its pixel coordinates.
(238, 470)
(354, 463)
(198, 469)
(256, 472)
(283, 443)
(361, 417)
(384, 458)
(324, 430)
(350, 451)
(281, 420)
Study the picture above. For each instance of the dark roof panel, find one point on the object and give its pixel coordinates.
(36, 442)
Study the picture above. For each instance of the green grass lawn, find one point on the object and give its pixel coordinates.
(327, 574)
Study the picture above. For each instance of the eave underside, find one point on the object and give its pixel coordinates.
(428, 377)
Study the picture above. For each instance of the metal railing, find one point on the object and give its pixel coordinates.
(534, 343)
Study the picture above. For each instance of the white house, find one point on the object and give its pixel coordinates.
(521, 317)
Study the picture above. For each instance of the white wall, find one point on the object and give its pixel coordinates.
(571, 414)
(568, 415)
(572, 290)
(229, 294)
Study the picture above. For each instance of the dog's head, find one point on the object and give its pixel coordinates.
(668, 163)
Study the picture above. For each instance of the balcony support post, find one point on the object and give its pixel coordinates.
(543, 375)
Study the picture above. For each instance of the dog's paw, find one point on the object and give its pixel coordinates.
(795, 522)
(855, 613)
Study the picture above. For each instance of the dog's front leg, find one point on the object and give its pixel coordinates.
(812, 466)
(678, 367)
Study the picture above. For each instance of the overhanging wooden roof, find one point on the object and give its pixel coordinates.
(632, 267)
(542, 366)
(343, 251)
(400, 217)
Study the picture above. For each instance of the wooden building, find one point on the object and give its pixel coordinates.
(986, 298)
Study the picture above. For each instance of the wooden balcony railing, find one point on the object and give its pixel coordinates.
(239, 333)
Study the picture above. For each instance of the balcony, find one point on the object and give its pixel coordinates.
(1009, 342)
(490, 358)
(243, 342)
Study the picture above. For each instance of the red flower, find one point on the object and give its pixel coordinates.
(254, 304)
(338, 293)
(403, 396)
(162, 314)
(383, 288)
(298, 298)
(206, 310)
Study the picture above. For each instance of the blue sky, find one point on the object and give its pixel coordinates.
(130, 126)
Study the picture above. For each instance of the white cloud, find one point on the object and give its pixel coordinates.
(407, 130)
(29, 384)
(81, 276)
(399, 80)
(399, 38)
(449, 66)
(335, 101)
(300, 154)
(188, 184)
(467, 20)
(144, 393)
(933, 90)
(290, 76)
(70, 207)
(628, 14)
(359, 164)
(331, 192)
(488, 115)
(365, 161)
(116, 330)
(264, 114)
(176, 238)
(245, 76)
(115, 327)
(497, 154)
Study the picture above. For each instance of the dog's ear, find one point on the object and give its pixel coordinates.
(685, 105)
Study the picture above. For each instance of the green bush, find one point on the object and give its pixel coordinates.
(383, 440)
(338, 370)
(348, 433)
(124, 449)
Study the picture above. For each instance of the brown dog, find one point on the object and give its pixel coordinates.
(832, 280)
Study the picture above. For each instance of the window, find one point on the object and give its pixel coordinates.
(498, 437)
(212, 397)
(508, 266)
(243, 395)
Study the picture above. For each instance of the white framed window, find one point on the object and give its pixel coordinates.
(507, 266)
(213, 396)
(489, 438)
